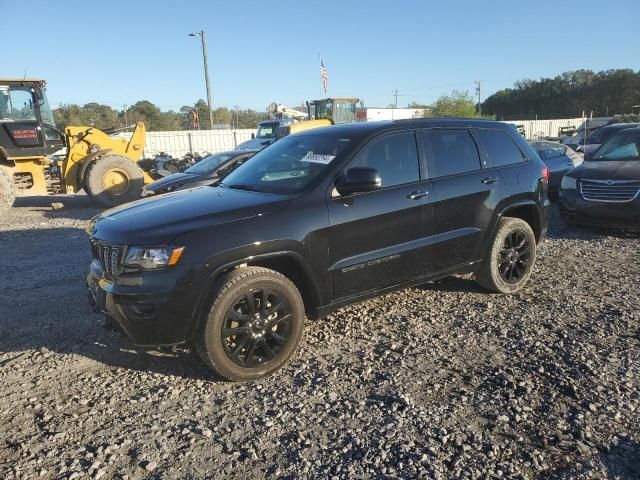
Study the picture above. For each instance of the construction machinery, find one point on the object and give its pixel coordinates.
(30, 145)
(336, 109)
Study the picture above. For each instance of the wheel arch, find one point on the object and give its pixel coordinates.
(86, 162)
(288, 263)
(527, 211)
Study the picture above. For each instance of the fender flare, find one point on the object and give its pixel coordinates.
(87, 161)
(202, 303)
(511, 206)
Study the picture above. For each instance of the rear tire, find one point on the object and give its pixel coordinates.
(254, 325)
(7, 190)
(510, 261)
(114, 179)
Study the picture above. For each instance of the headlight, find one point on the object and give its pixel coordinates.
(568, 183)
(151, 258)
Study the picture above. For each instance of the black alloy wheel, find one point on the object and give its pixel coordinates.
(254, 324)
(513, 262)
(509, 262)
(257, 327)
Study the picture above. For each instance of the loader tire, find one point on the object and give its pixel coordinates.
(7, 190)
(114, 179)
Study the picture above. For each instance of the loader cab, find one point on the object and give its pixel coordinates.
(337, 109)
(27, 126)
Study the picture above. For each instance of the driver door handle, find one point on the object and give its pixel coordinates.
(488, 180)
(417, 194)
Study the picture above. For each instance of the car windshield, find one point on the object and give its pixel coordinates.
(267, 130)
(207, 165)
(289, 165)
(623, 146)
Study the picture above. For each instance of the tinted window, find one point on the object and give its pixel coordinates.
(500, 148)
(395, 157)
(549, 150)
(451, 152)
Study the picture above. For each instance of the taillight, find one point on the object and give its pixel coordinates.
(545, 175)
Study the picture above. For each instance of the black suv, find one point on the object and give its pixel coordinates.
(316, 221)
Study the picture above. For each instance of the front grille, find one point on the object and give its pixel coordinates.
(619, 191)
(109, 257)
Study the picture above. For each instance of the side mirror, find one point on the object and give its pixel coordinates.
(359, 180)
(253, 136)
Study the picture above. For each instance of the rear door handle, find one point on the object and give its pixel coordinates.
(417, 194)
(489, 180)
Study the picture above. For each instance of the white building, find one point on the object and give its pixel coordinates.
(373, 114)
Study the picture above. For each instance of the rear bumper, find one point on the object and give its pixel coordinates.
(575, 209)
(153, 308)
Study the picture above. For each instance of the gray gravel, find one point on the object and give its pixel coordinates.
(441, 381)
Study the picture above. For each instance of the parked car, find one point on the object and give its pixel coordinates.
(209, 170)
(598, 137)
(604, 191)
(587, 127)
(320, 219)
(266, 134)
(559, 159)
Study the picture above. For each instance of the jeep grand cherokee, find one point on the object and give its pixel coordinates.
(315, 221)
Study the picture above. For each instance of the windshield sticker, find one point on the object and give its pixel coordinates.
(317, 158)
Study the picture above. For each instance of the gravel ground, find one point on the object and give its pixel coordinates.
(441, 381)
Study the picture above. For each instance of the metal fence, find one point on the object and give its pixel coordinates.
(546, 128)
(179, 143)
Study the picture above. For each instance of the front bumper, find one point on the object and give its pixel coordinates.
(623, 215)
(153, 308)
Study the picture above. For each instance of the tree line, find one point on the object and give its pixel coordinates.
(604, 93)
(104, 117)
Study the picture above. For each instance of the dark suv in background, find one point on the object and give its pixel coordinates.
(316, 221)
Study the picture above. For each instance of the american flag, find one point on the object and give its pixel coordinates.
(324, 76)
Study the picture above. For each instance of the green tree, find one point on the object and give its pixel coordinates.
(607, 92)
(458, 104)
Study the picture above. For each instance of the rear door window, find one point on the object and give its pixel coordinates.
(450, 152)
(395, 156)
(500, 148)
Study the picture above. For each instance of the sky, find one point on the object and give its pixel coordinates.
(259, 52)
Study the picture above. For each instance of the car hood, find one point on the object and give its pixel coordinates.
(157, 220)
(254, 143)
(172, 181)
(608, 170)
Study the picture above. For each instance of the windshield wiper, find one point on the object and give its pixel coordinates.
(241, 186)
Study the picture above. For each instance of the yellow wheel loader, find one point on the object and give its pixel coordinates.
(104, 167)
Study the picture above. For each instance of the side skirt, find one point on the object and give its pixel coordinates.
(325, 310)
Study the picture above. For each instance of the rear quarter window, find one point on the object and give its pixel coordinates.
(500, 148)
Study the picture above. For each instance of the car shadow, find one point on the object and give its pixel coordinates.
(465, 284)
(45, 308)
(622, 460)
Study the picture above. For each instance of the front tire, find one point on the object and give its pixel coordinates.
(114, 179)
(510, 261)
(7, 190)
(254, 325)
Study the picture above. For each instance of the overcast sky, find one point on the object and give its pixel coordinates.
(119, 52)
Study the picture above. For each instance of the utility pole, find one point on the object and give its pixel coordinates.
(396, 95)
(201, 34)
(124, 107)
(478, 85)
